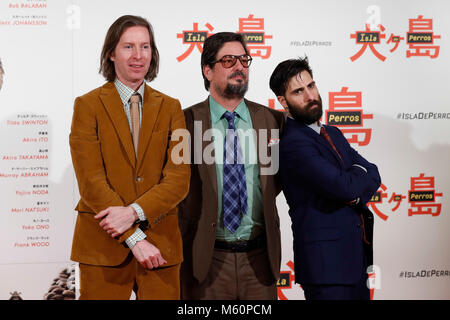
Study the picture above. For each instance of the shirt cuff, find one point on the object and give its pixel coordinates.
(138, 235)
(357, 165)
(139, 211)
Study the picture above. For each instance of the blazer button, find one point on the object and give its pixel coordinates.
(139, 179)
(213, 225)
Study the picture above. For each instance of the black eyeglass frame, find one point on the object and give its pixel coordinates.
(235, 59)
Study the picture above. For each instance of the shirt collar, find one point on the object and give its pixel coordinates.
(217, 110)
(126, 92)
(316, 126)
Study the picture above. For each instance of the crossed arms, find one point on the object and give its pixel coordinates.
(305, 162)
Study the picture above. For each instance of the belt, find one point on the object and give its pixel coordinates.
(241, 245)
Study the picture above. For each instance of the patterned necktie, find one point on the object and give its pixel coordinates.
(135, 120)
(324, 134)
(234, 185)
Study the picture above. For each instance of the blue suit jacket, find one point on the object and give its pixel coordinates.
(328, 233)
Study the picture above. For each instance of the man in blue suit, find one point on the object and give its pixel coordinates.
(327, 185)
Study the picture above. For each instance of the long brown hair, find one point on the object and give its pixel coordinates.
(112, 38)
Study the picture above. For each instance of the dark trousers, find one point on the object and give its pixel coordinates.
(358, 291)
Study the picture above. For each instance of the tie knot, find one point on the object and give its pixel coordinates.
(230, 116)
(323, 132)
(135, 98)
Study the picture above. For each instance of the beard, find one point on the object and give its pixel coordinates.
(235, 91)
(306, 115)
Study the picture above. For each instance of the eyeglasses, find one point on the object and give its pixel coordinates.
(229, 60)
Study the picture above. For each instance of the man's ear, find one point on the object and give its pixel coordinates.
(207, 72)
(282, 101)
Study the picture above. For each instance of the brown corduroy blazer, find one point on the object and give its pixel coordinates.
(198, 212)
(109, 173)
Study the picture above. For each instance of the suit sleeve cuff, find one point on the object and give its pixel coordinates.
(139, 211)
(138, 235)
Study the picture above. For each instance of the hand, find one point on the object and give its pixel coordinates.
(147, 255)
(116, 220)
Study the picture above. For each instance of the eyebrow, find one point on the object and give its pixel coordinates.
(139, 43)
(302, 88)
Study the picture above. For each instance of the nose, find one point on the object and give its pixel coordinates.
(309, 94)
(137, 54)
(238, 65)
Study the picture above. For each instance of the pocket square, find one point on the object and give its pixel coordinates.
(273, 141)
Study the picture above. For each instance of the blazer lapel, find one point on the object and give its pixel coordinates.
(113, 105)
(259, 123)
(204, 116)
(320, 140)
(336, 156)
(151, 107)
